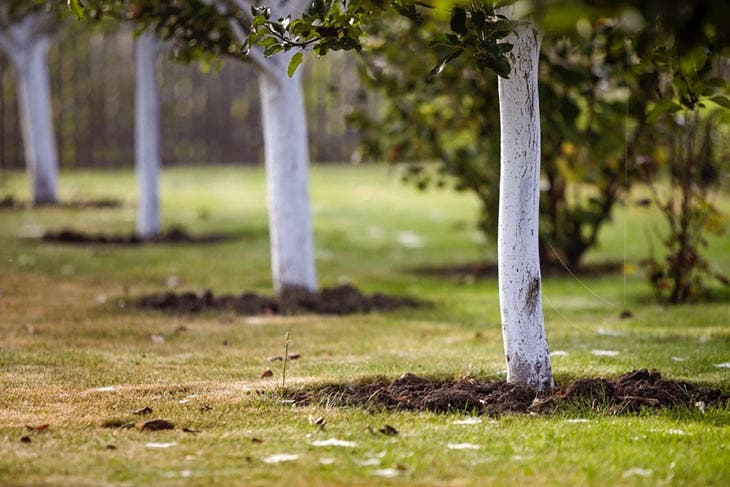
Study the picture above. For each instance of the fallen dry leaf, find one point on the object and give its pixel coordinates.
(157, 425)
(318, 421)
(144, 410)
(37, 429)
(110, 447)
(25, 439)
(181, 329)
(256, 440)
(267, 373)
(280, 358)
(388, 430)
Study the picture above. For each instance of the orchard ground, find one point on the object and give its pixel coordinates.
(76, 359)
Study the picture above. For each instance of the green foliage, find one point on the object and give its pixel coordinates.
(691, 119)
(333, 25)
(197, 29)
(454, 119)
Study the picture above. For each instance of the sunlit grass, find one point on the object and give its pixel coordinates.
(64, 335)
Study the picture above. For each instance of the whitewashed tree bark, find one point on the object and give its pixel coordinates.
(287, 182)
(523, 326)
(147, 143)
(26, 44)
(286, 149)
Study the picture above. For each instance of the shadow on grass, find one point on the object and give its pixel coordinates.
(487, 270)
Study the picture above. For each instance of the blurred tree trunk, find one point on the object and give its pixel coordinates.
(147, 134)
(26, 44)
(286, 152)
(287, 181)
(523, 327)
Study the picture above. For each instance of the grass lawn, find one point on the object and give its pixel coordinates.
(75, 357)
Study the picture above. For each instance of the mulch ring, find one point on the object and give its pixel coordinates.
(11, 203)
(173, 235)
(339, 300)
(628, 393)
(483, 270)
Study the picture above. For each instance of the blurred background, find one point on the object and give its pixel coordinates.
(210, 115)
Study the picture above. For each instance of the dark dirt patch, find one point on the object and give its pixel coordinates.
(340, 300)
(483, 270)
(173, 235)
(628, 393)
(99, 203)
(12, 203)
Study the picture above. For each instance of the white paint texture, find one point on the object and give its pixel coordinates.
(26, 44)
(147, 143)
(287, 180)
(523, 326)
(286, 151)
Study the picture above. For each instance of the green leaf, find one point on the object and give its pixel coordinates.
(296, 60)
(76, 8)
(442, 63)
(661, 108)
(458, 21)
(723, 101)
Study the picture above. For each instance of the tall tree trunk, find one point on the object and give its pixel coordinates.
(34, 100)
(287, 181)
(147, 134)
(523, 326)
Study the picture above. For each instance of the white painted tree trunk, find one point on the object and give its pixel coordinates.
(523, 326)
(286, 151)
(287, 166)
(147, 145)
(34, 104)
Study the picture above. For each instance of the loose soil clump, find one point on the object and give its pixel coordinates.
(628, 393)
(339, 300)
(173, 235)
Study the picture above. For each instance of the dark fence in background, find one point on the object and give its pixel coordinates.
(207, 118)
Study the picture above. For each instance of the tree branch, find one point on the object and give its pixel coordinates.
(254, 55)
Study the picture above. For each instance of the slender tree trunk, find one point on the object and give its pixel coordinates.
(523, 327)
(287, 181)
(39, 140)
(147, 134)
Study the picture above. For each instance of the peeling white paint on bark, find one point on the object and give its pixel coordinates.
(523, 326)
(147, 145)
(26, 44)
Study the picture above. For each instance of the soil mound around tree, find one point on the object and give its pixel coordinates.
(173, 235)
(99, 203)
(339, 300)
(628, 393)
(12, 203)
(484, 270)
